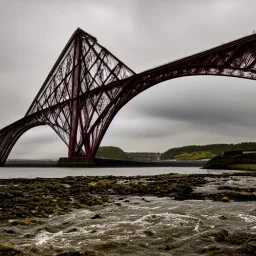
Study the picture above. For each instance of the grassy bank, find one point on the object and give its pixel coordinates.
(246, 167)
(195, 155)
(216, 149)
(111, 153)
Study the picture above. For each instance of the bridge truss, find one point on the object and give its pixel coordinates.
(88, 85)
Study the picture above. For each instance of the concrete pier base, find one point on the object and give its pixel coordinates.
(100, 162)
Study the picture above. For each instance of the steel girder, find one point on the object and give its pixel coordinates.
(88, 85)
(234, 59)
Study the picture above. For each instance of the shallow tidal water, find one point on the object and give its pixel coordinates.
(142, 225)
(45, 172)
(139, 226)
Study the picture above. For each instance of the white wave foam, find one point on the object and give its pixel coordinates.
(143, 207)
(45, 236)
(248, 218)
(42, 237)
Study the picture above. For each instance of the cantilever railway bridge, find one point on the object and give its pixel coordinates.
(88, 85)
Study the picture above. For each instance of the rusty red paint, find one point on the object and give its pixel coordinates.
(88, 85)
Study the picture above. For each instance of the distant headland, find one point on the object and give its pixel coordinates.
(109, 156)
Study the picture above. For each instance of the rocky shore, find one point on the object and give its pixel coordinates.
(169, 214)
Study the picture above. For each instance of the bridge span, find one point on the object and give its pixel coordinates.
(88, 85)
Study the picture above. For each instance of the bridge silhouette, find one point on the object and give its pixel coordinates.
(88, 85)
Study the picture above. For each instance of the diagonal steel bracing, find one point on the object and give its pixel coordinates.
(88, 85)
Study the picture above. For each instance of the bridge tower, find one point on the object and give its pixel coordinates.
(77, 98)
(79, 81)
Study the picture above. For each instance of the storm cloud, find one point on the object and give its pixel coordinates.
(143, 34)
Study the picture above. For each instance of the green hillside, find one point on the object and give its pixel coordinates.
(111, 152)
(195, 155)
(216, 149)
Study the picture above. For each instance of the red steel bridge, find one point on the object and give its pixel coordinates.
(88, 85)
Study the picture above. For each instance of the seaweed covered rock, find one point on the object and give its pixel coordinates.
(249, 247)
(219, 235)
(76, 253)
(8, 250)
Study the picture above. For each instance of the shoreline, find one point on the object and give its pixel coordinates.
(28, 207)
(19, 196)
(106, 163)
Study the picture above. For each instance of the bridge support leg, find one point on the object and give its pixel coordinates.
(75, 103)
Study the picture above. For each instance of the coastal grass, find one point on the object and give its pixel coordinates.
(195, 155)
(246, 167)
(216, 149)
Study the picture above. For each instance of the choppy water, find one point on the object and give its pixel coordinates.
(42, 172)
(140, 226)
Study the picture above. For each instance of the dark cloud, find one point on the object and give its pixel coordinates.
(213, 106)
(143, 34)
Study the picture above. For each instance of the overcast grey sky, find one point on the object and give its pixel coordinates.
(143, 34)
